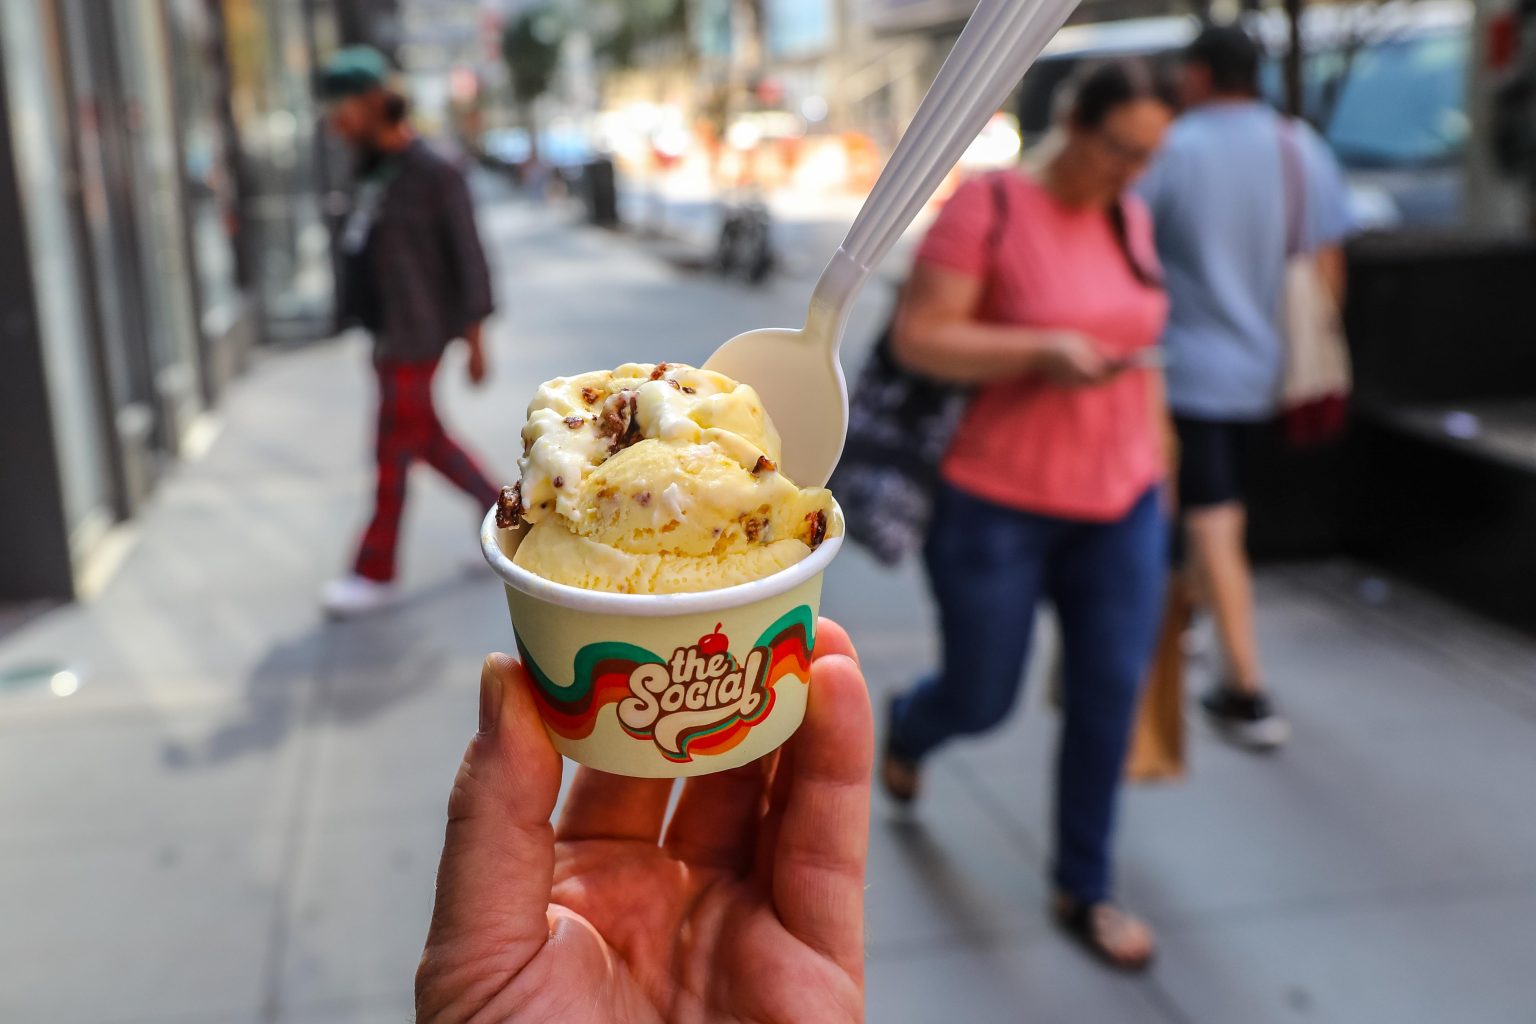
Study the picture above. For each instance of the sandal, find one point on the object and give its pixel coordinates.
(1102, 928)
(899, 776)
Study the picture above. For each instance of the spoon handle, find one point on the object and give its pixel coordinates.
(1000, 41)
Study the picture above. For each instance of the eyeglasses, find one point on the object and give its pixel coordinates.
(1125, 152)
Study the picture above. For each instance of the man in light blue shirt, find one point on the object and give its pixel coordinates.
(1228, 214)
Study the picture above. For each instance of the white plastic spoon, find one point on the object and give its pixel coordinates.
(796, 371)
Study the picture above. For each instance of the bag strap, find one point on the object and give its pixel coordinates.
(1294, 182)
(999, 228)
(1119, 225)
(999, 215)
(995, 235)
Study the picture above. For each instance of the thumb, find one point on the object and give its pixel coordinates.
(493, 883)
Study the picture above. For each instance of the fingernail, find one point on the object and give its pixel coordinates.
(490, 697)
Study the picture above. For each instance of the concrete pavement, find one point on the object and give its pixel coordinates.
(237, 816)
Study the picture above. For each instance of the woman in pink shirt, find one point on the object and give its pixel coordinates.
(1043, 291)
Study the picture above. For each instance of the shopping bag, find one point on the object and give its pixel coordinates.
(1157, 735)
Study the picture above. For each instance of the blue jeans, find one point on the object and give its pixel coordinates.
(989, 566)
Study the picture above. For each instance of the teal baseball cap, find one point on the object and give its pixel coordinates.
(352, 70)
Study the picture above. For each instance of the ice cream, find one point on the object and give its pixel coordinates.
(655, 480)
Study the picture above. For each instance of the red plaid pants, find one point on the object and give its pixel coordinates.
(410, 430)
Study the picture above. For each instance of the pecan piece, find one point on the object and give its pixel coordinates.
(660, 371)
(764, 465)
(509, 507)
(559, 482)
(753, 527)
(685, 389)
(675, 385)
(590, 395)
(818, 521)
(575, 422)
(616, 421)
(643, 498)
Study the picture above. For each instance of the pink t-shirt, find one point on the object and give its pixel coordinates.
(1075, 453)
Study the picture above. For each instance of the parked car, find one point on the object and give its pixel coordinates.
(1399, 123)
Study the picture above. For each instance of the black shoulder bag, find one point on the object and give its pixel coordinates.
(900, 424)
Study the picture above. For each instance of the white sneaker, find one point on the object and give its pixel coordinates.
(1199, 639)
(355, 595)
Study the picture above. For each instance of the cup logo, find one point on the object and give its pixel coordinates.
(699, 688)
(699, 701)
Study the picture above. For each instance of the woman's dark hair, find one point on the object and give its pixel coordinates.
(1098, 92)
(1102, 88)
(1230, 55)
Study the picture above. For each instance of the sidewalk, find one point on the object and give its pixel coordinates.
(238, 815)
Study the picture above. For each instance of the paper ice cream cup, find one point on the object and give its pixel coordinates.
(665, 685)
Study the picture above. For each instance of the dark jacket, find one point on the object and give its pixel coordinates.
(421, 278)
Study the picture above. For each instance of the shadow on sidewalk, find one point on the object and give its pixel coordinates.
(340, 673)
(969, 910)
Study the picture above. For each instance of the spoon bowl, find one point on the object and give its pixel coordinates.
(802, 387)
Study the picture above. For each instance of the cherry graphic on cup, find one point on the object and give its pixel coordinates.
(714, 643)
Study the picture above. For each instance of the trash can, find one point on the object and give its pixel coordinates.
(600, 192)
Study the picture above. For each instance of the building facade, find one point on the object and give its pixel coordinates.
(161, 188)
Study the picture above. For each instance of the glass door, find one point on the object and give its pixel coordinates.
(107, 197)
(165, 266)
(274, 111)
(207, 150)
(130, 173)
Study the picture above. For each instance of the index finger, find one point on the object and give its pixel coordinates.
(832, 639)
(823, 837)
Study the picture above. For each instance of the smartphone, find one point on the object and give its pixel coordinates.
(1142, 359)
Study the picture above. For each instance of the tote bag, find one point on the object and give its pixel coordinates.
(1315, 389)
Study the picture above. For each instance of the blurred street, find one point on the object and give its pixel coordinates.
(237, 816)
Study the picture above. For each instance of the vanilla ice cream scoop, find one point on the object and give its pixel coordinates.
(657, 479)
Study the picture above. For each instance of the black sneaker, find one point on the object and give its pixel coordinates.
(1247, 719)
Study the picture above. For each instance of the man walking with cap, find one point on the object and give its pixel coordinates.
(1236, 190)
(412, 272)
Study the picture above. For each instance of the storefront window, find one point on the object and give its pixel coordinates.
(157, 184)
(210, 183)
(275, 114)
